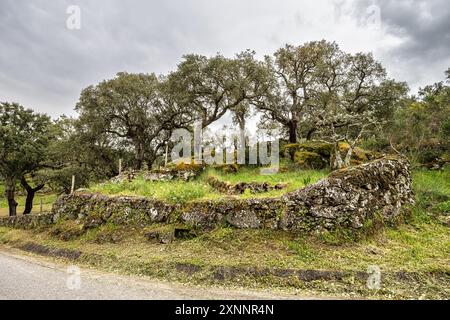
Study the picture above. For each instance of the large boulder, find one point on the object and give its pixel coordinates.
(318, 154)
(309, 160)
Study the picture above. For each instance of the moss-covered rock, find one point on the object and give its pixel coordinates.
(227, 168)
(29, 221)
(308, 154)
(309, 160)
(67, 230)
(189, 167)
(322, 148)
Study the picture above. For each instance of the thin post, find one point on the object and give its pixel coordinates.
(120, 166)
(72, 189)
(40, 205)
(167, 153)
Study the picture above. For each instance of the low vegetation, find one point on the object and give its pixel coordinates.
(180, 192)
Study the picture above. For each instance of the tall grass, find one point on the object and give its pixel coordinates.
(180, 192)
(173, 191)
(432, 181)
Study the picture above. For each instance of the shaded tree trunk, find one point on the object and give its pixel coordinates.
(310, 133)
(139, 155)
(293, 132)
(31, 192)
(150, 159)
(10, 190)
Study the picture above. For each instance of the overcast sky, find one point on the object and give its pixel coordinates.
(44, 64)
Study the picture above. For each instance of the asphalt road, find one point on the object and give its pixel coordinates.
(24, 277)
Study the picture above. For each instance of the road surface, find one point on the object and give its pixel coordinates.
(24, 277)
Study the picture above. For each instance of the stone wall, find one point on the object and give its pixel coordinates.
(350, 197)
(30, 221)
(241, 187)
(95, 209)
(346, 199)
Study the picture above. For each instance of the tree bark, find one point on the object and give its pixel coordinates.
(293, 132)
(348, 156)
(10, 190)
(139, 155)
(30, 194)
(241, 145)
(150, 159)
(336, 161)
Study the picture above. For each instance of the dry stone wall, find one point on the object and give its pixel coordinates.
(346, 199)
(29, 221)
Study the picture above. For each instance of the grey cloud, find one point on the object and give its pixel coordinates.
(44, 65)
(424, 27)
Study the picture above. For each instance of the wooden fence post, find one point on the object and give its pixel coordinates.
(120, 166)
(72, 189)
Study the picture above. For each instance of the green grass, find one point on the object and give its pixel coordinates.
(432, 181)
(182, 192)
(47, 202)
(173, 191)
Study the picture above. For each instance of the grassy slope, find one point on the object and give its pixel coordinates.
(420, 245)
(179, 191)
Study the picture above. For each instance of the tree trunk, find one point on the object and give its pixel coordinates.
(336, 161)
(310, 133)
(10, 190)
(241, 144)
(348, 156)
(293, 132)
(150, 159)
(30, 194)
(139, 156)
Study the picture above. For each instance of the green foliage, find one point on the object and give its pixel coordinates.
(302, 249)
(421, 126)
(323, 91)
(130, 109)
(89, 156)
(307, 180)
(431, 185)
(211, 86)
(24, 138)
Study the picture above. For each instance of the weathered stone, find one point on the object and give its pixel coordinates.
(119, 210)
(309, 160)
(344, 200)
(163, 235)
(241, 187)
(27, 221)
